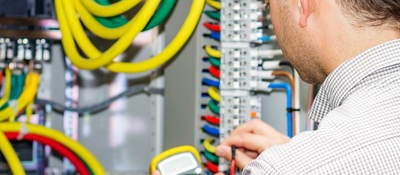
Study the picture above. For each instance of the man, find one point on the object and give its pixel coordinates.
(352, 47)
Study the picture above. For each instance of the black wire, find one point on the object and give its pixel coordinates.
(57, 107)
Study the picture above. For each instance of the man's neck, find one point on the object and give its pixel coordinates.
(350, 43)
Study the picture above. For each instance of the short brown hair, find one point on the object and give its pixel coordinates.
(373, 12)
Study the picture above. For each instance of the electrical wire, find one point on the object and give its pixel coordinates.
(215, 4)
(216, 15)
(74, 146)
(213, 93)
(112, 21)
(98, 60)
(27, 96)
(214, 35)
(212, 167)
(211, 119)
(102, 105)
(211, 157)
(212, 26)
(7, 87)
(212, 52)
(62, 150)
(214, 71)
(289, 118)
(207, 143)
(292, 85)
(213, 106)
(85, 44)
(176, 44)
(210, 130)
(10, 155)
(267, 38)
(109, 10)
(1, 77)
(215, 61)
(210, 82)
(233, 160)
(159, 16)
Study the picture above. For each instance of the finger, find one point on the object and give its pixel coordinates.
(156, 172)
(251, 154)
(248, 141)
(219, 174)
(241, 158)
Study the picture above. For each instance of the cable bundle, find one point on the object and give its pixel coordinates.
(124, 32)
(211, 80)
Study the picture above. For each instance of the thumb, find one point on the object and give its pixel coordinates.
(241, 159)
(155, 173)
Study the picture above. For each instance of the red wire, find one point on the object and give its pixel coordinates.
(212, 27)
(65, 152)
(211, 119)
(212, 167)
(233, 166)
(214, 71)
(1, 78)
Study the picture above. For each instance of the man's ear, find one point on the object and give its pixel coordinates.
(304, 7)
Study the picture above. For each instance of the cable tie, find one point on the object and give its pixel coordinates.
(22, 131)
(292, 109)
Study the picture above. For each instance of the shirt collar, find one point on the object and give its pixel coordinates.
(339, 83)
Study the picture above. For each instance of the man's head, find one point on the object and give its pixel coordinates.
(318, 35)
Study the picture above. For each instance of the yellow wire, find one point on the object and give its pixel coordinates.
(6, 113)
(212, 52)
(97, 59)
(10, 155)
(7, 89)
(29, 112)
(208, 146)
(214, 4)
(98, 29)
(176, 44)
(109, 10)
(213, 92)
(74, 146)
(27, 96)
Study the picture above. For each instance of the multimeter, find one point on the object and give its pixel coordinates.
(178, 160)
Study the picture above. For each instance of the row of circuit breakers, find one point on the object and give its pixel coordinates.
(241, 58)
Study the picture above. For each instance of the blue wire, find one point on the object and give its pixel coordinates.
(288, 90)
(215, 35)
(210, 82)
(210, 130)
(264, 38)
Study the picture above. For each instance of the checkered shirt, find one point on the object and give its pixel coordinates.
(358, 108)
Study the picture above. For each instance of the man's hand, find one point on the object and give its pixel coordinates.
(250, 139)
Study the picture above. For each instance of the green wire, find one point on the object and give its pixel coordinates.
(20, 84)
(215, 61)
(159, 16)
(211, 157)
(212, 104)
(4, 106)
(216, 15)
(13, 87)
(110, 22)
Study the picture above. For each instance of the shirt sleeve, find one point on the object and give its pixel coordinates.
(346, 140)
